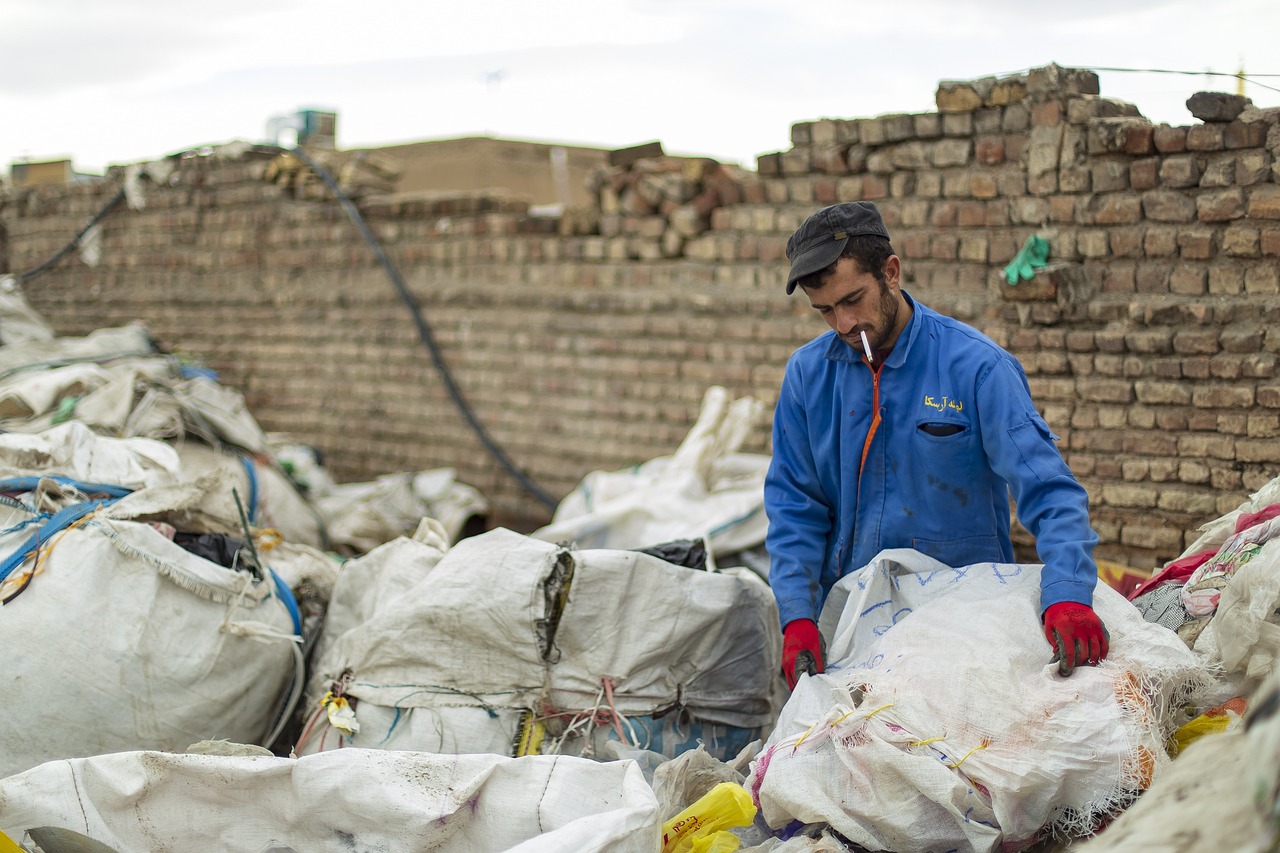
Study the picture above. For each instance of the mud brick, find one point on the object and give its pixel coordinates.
(989, 150)
(1110, 175)
(1262, 426)
(1153, 277)
(1220, 205)
(973, 249)
(769, 164)
(1144, 174)
(1117, 209)
(1262, 279)
(1180, 171)
(1187, 280)
(915, 245)
(855, 160)
(1264, 202)
(874, 187)
(1271, 242)
(957, 124)
(1252, 167)
(898, 127)
(1169, 140)
(943, 214)
(944, 247)
(1196, 245)
(1046, 114)
(971, 214)
(929, 185)
(1168, 206)
(1119, 278)
(927, 125)
(1155, 393)
(1003, 248)
(850, 188)
(982, 185)
(1139, 139)
(1160, 241)
(902, 184)
(1016, 118)
(1226, 279)
(1062, 208)
(1195, 341)
(1220, 171)
(1241, 339)
(1240, 241)
(1205, 137)
(1240, 134)
(1269, 396)
(797, 161)
(1222, 397)
(996, 213)
(1126, 242)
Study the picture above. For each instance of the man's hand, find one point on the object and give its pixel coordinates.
(801, 650)
(1076, 633)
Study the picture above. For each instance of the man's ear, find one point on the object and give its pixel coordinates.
(893, 270)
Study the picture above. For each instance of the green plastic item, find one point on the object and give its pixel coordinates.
(1033, 255)
(66, 410)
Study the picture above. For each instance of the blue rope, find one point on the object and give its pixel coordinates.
(286, 598)
(61, 520)
(28, 484)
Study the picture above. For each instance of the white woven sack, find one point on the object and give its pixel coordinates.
(124, 640)
(73, 450)
(475, 632)
(942, 724)
(706, 490)
(351, 799)
(269, 498)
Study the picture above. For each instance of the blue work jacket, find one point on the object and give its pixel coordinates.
(956, 432)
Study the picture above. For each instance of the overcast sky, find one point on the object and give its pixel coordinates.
(133, 80)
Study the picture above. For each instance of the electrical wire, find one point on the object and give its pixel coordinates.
(1235, 75)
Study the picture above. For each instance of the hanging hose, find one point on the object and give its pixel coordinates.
(425, 333)
(424, 330)
(75, 241)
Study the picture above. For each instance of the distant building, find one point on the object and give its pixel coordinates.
(543, 172)
(30, 173)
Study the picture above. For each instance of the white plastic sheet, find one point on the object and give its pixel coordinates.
(337, 802)
(706, 489)
(941, 722)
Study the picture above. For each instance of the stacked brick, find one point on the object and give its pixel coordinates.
(587, 341)
(649, 205)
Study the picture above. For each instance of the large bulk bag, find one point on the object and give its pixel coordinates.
(513, 645)
(337, 802)
(117, 638)
(941, 723)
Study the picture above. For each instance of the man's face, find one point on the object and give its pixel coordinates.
(853, 301)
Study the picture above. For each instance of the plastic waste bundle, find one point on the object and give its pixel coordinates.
(340, 801)
(507, 644)
(129, 640)
(942, 724)
(706, 489)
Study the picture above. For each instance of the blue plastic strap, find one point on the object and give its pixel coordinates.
(252, 509)
(28, 484)
(62, 519)
(286, 598)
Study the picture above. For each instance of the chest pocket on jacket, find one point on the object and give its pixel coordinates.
(940, 430)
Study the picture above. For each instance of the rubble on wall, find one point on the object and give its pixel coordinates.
(658, 201)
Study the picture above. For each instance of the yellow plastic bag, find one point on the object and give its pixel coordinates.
(1226, 717)
(698, 828)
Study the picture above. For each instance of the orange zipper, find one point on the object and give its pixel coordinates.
(875, 417)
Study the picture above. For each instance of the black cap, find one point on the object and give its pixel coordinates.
(818, 242)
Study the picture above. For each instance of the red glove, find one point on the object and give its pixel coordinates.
(801, 650)
(1077, 635)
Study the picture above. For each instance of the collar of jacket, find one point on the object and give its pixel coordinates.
(838, 350)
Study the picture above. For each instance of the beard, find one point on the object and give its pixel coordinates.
(882, 327)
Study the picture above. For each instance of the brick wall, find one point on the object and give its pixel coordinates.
(1150, 341)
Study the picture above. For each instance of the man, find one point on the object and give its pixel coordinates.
(903, 428)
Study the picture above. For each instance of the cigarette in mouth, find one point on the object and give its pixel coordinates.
(866, 347)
